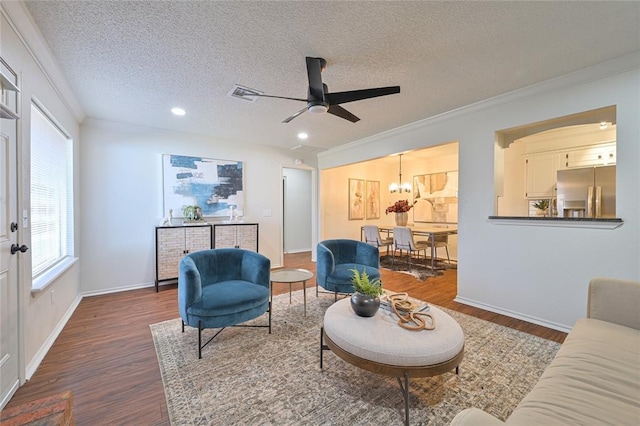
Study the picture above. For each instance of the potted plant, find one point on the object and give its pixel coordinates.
(365, 300)
(192, 213)
(542, 206)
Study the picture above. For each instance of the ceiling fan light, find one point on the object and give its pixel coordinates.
(318, 109)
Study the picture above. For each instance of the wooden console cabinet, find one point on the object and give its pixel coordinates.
(236, 235)
(173, 242)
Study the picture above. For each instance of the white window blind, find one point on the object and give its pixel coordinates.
(51, 193)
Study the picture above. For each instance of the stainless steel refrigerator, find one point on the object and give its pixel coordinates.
(587, 192)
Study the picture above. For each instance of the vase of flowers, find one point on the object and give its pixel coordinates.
(401, 209)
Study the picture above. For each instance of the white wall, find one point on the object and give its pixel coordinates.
(297, 210)
(537, 273)
(121, 197)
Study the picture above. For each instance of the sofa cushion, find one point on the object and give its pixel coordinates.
(593, 380)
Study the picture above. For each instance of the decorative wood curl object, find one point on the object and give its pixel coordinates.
(408, 319)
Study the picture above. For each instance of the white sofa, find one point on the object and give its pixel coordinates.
(595, 377)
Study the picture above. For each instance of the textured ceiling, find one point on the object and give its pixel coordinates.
(132, 61)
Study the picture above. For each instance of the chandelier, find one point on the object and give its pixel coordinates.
(399, 186)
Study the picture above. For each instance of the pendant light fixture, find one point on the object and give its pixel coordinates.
(399, 186)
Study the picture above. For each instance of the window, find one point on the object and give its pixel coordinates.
(51, 198)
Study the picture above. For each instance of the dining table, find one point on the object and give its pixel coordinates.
(426, 230)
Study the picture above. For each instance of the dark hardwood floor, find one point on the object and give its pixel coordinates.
(105, 353)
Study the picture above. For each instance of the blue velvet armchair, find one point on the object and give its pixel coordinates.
(336, 259)
(223, 287)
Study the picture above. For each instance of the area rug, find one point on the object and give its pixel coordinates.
(418, 269)
(247, 376)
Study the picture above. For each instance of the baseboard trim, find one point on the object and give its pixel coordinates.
(42, 352)
(512, 314)
(297, 251)
(123, 288)
(35, 362)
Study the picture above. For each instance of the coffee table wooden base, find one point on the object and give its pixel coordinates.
(391, 370)
(378, 344)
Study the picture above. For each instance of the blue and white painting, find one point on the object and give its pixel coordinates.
(214, 185)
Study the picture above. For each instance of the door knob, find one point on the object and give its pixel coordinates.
(16, 248)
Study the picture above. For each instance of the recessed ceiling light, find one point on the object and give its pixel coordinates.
(302, 135)
(178, 111)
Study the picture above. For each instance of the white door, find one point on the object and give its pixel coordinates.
(9, 366)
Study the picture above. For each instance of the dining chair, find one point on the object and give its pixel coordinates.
(403, 240)
(440, 241)
(372, 237)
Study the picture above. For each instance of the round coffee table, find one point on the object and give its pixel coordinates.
(290, 276)
(378, 344)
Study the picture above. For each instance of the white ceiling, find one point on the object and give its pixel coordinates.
(132, 61)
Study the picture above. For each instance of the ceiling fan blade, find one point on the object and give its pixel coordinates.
(288, 119)
(342, 113)
(278, 97)
(314, 70)
(358, 95)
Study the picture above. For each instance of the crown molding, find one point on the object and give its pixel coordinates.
(593, 73)
(22, 23)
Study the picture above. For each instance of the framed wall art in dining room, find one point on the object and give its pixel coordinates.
(356, 199)
(436, 197)
(372, 209)
(211, 184)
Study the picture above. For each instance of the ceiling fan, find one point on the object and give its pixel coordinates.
(319, 100)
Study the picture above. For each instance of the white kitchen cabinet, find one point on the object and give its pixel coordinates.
(540, 174)
(236, 235)
(591, 156)
(173, 242)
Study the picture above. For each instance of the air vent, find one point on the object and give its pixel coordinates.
(307, 149)
(244, 93)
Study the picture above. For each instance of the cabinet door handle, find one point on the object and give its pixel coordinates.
(14, 226)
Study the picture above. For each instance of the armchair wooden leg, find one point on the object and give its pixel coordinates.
(182, 326)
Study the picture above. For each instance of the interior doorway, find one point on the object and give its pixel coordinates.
(297, 208)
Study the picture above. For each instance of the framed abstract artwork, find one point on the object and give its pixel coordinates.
(356, 199)
(436, 197)
(372, 209)
(213, 185)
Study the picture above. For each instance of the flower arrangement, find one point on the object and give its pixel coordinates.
(400, 206)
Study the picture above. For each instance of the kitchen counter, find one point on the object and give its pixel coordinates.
(567, 222)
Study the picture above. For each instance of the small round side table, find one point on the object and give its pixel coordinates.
(290, 276)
